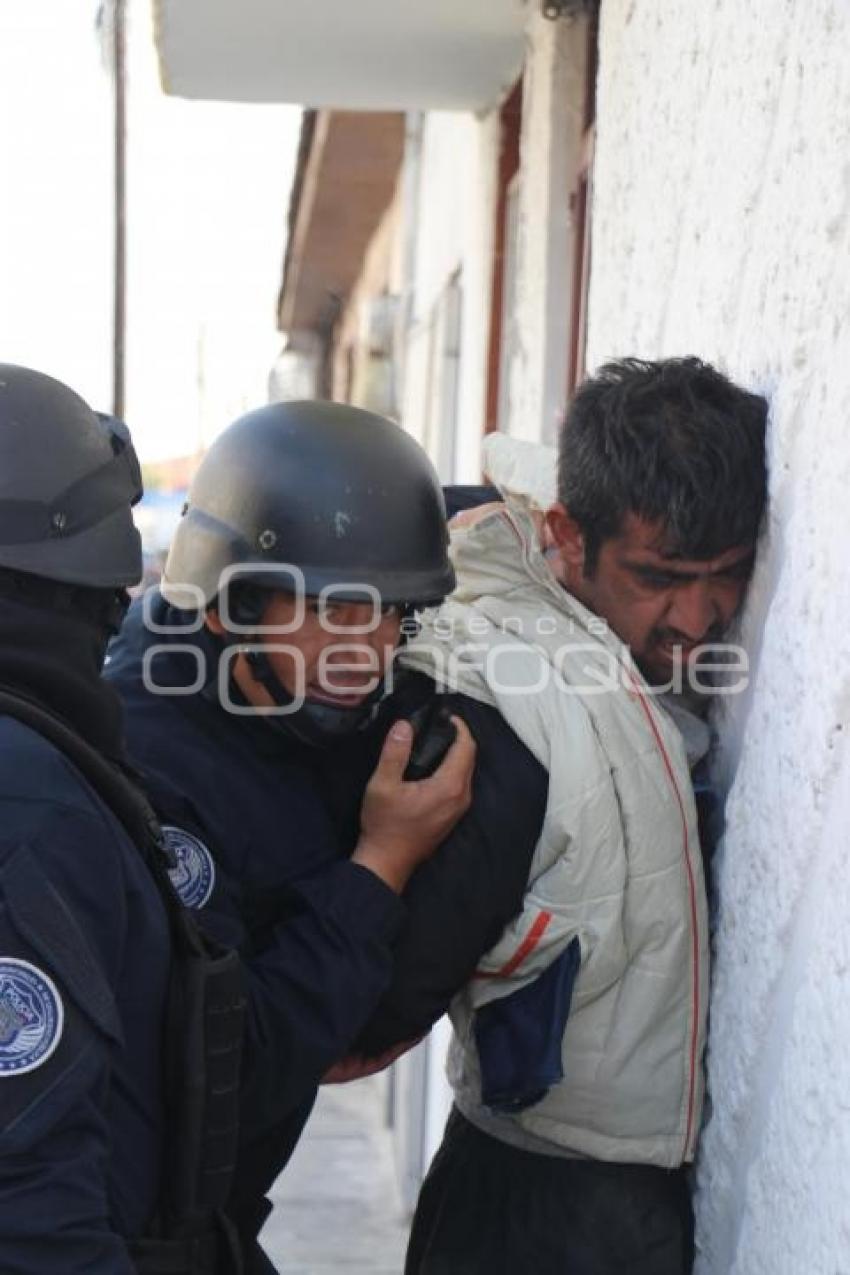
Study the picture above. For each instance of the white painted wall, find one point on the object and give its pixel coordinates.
(722, 227)
(550, 148)
(453, 207)
(454, 230)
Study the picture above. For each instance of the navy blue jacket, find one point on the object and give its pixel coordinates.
(263, 849)
(84, 962)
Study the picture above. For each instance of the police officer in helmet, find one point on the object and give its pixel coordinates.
(92, 939)
(255, 687)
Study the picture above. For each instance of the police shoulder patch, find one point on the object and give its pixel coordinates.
(193, 873)
(31, 1016)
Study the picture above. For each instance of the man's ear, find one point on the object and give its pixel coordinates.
(565, 536)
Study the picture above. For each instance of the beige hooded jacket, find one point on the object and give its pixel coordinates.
(617, 864)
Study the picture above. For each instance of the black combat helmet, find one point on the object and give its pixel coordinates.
(68, 477)
(341, 494)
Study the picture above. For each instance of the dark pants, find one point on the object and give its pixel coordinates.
(488, 1209)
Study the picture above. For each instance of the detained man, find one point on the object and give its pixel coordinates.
(576, 1061)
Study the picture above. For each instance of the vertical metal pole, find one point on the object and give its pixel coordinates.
(119, 324)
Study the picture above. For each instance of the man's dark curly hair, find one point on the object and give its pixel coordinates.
(673, 442)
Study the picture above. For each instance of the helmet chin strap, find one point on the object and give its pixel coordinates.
(315, 724)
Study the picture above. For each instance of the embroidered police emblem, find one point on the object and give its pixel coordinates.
(31, 1017)
(193, 875)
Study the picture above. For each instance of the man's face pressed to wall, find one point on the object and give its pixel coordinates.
(661, 605)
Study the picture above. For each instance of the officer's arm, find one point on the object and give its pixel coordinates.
(58, 1026)
(315, 984)
(316, 957)
(460, 901)
(312, 987)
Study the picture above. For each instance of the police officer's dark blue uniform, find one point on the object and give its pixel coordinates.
(84, 945)
(264, 862)
(84, 942)
(261, 832)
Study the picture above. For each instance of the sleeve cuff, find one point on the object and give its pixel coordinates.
(356, 900)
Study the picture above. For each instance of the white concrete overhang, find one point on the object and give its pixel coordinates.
(384, 55)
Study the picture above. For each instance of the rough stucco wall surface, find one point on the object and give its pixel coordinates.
(722, 227)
